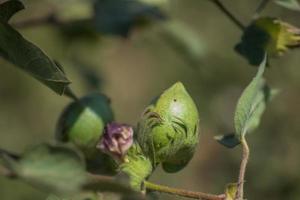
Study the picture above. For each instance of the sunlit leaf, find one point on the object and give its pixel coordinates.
(50, 168)
(9, 8)
(290, 4)
(25, 55)
(252, 103)
(229, 140)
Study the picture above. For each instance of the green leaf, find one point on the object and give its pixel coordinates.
(25, 55)
(9, 8)
(229, 140)
(289, 4)
(54, 169)
(252, 103)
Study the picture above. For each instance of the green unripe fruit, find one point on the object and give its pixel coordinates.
(82, 122)
(168, 131)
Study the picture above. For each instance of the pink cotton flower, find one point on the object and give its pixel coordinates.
(116, 140)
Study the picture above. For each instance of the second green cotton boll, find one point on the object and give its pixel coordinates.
(168, 130)
(82, 122)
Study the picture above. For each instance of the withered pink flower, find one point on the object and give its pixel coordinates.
(116, 140)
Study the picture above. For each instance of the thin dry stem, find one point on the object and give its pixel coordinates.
(241, 181)
(234, 19)
(261, 6)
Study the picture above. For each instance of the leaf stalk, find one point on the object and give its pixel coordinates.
(246, 152)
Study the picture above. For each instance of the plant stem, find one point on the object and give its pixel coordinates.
(229, 14)
(8, 153)
(246, 152)
(261, 6)
(69, 93)
(110, 182)
(183, 193)
(46, 19)
(165, 189)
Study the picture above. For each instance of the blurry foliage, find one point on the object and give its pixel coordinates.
(290, 4)
(119, 17)
(132, 76)
(184, 41)
(52, 169)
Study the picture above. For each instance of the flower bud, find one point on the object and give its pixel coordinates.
(82, 122)
(168, 130)
(116, 140)
(137, 167)
(267, 35)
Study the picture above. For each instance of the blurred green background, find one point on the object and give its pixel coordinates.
(131, 71)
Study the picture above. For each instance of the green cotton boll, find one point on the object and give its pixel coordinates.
(82, 122)
(168, 130)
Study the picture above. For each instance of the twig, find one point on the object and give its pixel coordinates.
(165, 189)
(97, 177)
(69, 93)
(261, 6)
(246, 152)
(183, 193)
(10, 154)
(47, 19)
(229, 14)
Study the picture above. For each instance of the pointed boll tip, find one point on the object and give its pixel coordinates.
(178, 86)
